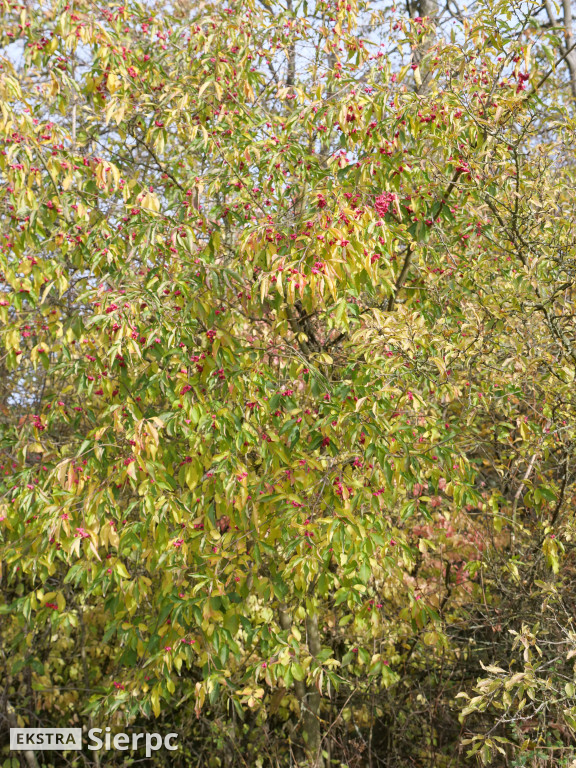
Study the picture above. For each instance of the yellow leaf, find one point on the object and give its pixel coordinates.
(93, 548)
(113, 537)
(12, 339)
(191, 476)
(150, 202)
(113, 82)
(263, 289)
(402, 73)
(155, 699)
(63, 472)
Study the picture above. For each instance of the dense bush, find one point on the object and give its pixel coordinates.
(287, 380)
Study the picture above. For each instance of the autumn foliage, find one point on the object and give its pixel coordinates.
(287, 360)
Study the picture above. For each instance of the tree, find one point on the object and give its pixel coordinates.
(288, 378)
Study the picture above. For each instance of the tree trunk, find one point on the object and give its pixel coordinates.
(308, 697)
(567, 50)
(27, 754)
(425, 9)
(312, 730)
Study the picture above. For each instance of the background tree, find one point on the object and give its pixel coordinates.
(288, 367)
